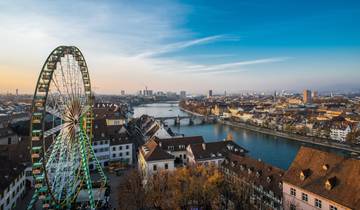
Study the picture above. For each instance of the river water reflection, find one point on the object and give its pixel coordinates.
(277, 151)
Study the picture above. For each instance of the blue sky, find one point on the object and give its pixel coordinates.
(187, 45)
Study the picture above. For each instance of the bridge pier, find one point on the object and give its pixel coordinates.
(203, 121)
(191, 121)
(177, 121)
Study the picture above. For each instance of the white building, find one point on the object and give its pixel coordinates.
(339, 133)
(12, 184)
(122, 150)
(112, 144)
(177, 146)
(101, 150)
(152, 158)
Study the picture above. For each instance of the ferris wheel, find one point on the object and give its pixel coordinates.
(61, 131)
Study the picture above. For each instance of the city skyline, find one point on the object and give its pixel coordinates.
(177, 45)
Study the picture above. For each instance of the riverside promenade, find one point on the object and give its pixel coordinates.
(351, 148)
(306, 139)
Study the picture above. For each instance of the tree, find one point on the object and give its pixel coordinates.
(132, 194)
(184, 188)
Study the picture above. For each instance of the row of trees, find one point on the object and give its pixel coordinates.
(186, 188)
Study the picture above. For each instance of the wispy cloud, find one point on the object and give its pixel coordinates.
(230, 67)
(182, 45)
(125, 44)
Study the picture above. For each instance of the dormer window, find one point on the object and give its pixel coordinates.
(102, 134)
(258, 173)
(330, 183)
(325, 167)
(212, 155)
(304, 174)
(249, 171)
(242, 168)
(268, 179)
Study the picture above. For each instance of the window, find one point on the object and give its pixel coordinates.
(304, 197)
(120, 147)
(120, 154)
(127, 146)
(333, 207)
(292, 207)
(166, 166)
(317, 203)
(127, 153)
(114, 148)
(184, 156)
(114, 155)
(293, 192)
(154, 167)
(9, 140)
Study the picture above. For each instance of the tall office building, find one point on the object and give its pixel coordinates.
(123, 92)
(182, 94)
(275, 94)
(307, 97)
(210, 94)
(315, 94)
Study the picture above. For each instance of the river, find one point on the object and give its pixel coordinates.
(274, 150)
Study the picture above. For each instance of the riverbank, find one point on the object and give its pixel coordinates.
(190, 112)
(294, 137)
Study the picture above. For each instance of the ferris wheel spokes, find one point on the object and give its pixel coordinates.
(61, 130)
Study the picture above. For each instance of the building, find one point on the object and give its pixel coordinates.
(8, 136)
(152, 158)
(339, 132)
(315, 94)
(122, 147)
(122, 92)
(112, 113)
(182, 94)
(262, 182)
(149, 127)
(212, 153)
(307, 97)
(177, 146)
(112, 144)
(12, 184)
(219, 109)
(210, 94)
(321, 180)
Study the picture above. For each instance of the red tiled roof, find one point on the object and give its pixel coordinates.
(319, 167)
(151, 151)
